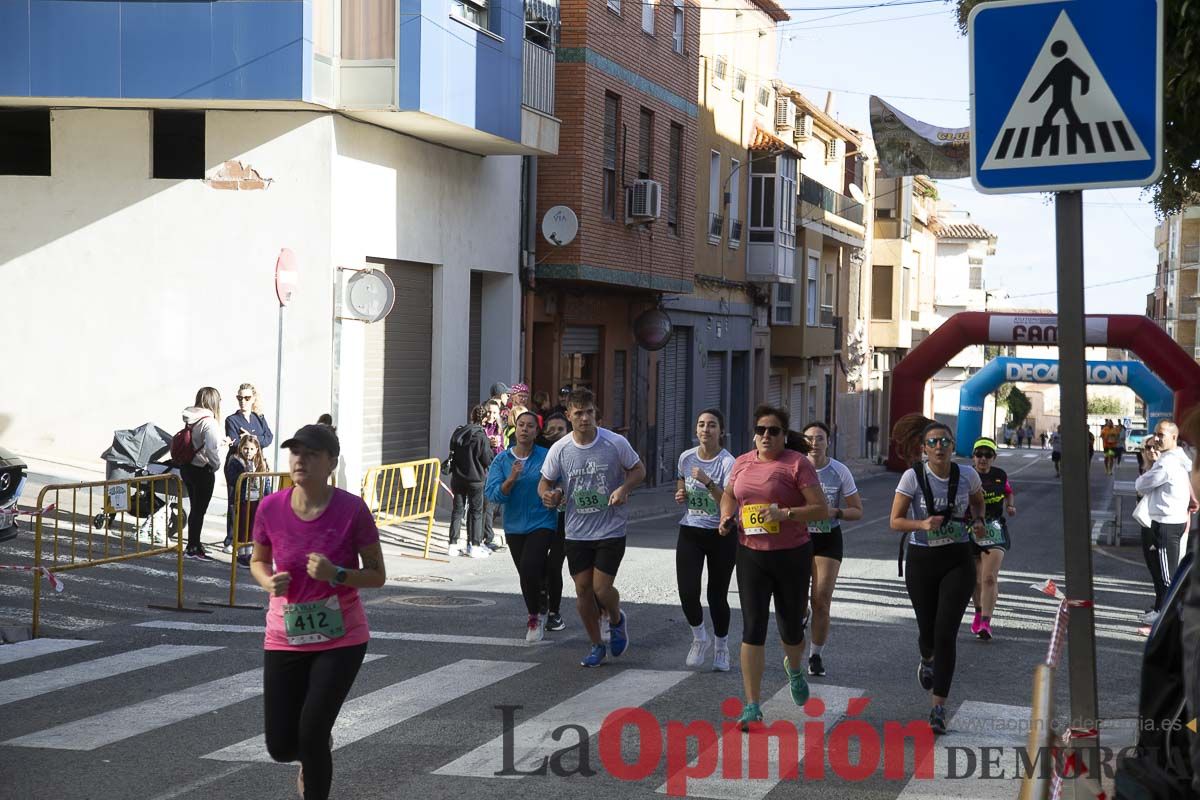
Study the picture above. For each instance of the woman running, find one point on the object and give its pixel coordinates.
(841, 495)
(937, 506)
(772, 493)
(529, 527)
(309, 541)
(989, 550)
(700, 482)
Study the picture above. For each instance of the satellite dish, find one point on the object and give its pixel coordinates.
(857, 194)
(560, 225)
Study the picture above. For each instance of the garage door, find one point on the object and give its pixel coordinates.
(714, 381)
(674, 389)
(398, 369)
(775, 391)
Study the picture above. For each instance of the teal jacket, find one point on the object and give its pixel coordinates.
(523, 509)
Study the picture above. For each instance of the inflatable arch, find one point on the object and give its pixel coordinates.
(1006, 369)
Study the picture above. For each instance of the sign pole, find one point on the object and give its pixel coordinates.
(1081, 633)
(278, 392)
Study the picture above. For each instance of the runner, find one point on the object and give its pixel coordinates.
(700, 482)
(512, 484)
(772, 493)
(989, 550)
(1056, 451)
(1108, 439)
(838, 485)
(308, 543)
(593, 471)
(940, 573)
(551, 600)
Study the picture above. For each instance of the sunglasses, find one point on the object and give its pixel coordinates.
(934, 441)
(984, 454)
(767, 430)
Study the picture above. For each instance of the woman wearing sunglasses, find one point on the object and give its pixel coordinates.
(989, 550)
(247, 419)
(937, 506)
(773, 494)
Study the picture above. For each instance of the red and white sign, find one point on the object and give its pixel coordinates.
(1041, 330)
(287, 276)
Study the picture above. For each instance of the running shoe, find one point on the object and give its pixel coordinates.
(721, 658)
(454, 550)
(975, 623)
(495, 548)
(1150, 617)
(535, 628)
(815, 665)
(985, 630)
(244, 559)
(925, 674)
(227, 549)
(479, 551)
(595, 656)
(797, 683)
(698, 652)
(937, 720)
(189, 553)
(619, 637)
(554, 622)
(200, 555)
(750, 713)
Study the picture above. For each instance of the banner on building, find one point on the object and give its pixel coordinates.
(910, 147)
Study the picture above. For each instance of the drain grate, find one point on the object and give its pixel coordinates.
(440, 601)
(422, 579)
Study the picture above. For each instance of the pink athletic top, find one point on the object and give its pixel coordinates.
(344, 528)
(782, 482)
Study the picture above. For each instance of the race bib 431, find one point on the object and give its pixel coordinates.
(700, 501)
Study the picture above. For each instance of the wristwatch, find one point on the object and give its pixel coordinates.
(791, 513)
(339, 577)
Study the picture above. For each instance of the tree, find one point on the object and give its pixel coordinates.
(1179, 185)
(1019, 405)
(1109, 406)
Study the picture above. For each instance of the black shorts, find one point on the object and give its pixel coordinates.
(828, 545)
(602, 554)
(1056, 456)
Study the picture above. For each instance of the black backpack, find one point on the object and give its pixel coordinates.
(931, 508)
(460, 449)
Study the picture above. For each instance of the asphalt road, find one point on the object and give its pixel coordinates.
(118, 700)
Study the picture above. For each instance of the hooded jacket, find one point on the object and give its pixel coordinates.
(205, 437)
(1167, 485)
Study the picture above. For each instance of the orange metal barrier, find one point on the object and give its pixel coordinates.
(403, 492)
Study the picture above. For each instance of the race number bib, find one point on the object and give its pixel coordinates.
(820, 526)
(755, 522)
(993, 535)
(950, 533)
(311, 623)
(700, 501)
(589, 501)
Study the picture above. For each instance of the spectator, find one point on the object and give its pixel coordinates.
(1028, 436)
(501, 394)
(1168, 490)
(563, 394)
(1020, 436)
(1150, 550)
(248, 419)
(541, 405)
(493, 427)
(1043, 435)
(200, 474)
(470, 456)
(247, 456)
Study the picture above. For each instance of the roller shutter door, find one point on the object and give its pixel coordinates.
(714, 382)
(581, 339)
(674, 390)
(775, 391)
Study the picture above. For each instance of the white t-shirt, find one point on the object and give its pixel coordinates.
(702, 510)
(588, 474)
(968, 484)
(837, 483)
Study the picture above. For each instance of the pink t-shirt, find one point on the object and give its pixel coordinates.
(782, 482)
(344, 528)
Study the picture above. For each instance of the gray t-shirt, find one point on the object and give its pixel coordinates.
(1056, 442)
(702, 510)
(837, 484)
(968, 484)
(588, 474)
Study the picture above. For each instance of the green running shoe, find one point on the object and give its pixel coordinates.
(797, 683)
(750, 713)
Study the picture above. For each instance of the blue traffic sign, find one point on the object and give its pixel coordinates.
(1065, 94)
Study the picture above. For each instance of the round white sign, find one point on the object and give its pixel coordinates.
(560, 226)
(370, 294)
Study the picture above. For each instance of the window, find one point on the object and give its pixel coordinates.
(648, 7)
(787, 200)
(720, 70)
(612, 110)
(905, 292)
(369, 26)
(914, 291)
(676, 171)
(783, 303)
(739, 83)
(811, 276)
(25, 141)
(614, 6)
(677, 36)
(178, 144)
(735, 202)
(828, 290)
(881, 292)
(645, 143)
(762, 199)
(976, 279)
(715, 222)
(764, 96)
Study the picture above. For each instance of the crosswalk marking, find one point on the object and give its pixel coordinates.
(133, 720)
(1029, 455)
(533, 740)
(384, 708)
(33, 648)
(406, 636)
(51, 680)
(779, 707)
(974, 725)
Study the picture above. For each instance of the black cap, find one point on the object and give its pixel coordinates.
(315, 437)
(499, 388)
(565, 390)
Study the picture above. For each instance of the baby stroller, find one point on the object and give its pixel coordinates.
(135, 453)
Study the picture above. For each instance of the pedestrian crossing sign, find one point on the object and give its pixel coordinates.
(1065, 94)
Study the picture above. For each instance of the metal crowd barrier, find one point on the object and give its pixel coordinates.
(259, 485)
(405, 492)
(107, 522)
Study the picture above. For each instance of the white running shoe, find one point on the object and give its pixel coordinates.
(479, 552)
(721, 658)
(454, 550)
(535, 629)
(698, 652)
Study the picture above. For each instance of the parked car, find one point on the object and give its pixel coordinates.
(12, 480)
(1134, 439)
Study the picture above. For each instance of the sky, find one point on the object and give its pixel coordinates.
(913, 57)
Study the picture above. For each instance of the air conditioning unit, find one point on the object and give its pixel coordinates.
(643, 201)
(804, 127)
(716, 224)
(785, 114)
(834, 150)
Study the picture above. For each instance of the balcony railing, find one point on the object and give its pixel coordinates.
(537, 89)
(818, 194)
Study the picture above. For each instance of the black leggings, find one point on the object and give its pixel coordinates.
(780, 574)
(200, 482)
(531, 555)
(552, 586)
(693, 547)
(303, 692)
(940, 581)
(1156, 556)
